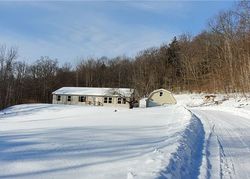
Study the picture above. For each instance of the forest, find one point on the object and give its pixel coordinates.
(217, 60)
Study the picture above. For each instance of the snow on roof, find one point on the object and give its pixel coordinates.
(87, 91)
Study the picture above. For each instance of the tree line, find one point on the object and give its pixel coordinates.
(215, 60)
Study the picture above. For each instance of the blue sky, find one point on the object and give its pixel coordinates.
(70, 30)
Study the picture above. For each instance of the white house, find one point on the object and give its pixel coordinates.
(93, 96)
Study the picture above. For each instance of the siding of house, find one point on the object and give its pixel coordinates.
(90, 100)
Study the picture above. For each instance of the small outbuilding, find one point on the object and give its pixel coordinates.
(143, 103)
(160, 97)
(122, 97)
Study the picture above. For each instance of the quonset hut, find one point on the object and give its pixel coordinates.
(160, 97)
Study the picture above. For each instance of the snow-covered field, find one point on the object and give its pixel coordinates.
(187, 140)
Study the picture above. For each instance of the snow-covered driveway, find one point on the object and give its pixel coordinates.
(227, 146)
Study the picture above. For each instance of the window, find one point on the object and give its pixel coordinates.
(105, 100)
(69, 98)
(161, 93)
(82, 99)
(119, 100)
(58, 98)
(124, 100)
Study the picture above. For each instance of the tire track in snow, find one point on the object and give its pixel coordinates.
(226, 166)
(207, 154)
(226, 157)
(231, 135)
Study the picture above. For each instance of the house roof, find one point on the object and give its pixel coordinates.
(90, 91)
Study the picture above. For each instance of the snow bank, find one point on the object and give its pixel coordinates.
(186, 161)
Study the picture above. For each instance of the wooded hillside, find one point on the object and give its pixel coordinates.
(216, 60)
